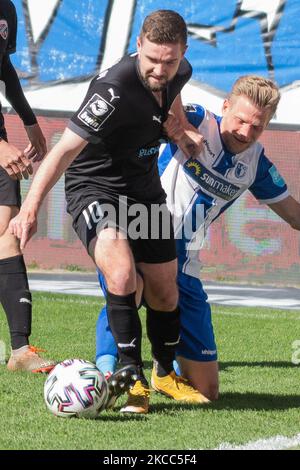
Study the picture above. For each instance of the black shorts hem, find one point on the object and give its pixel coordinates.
(156, 250)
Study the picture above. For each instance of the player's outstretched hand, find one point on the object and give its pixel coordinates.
(14, 162)
(23, 226)
(37, 148)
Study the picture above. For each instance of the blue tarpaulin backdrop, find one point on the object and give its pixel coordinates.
(227, 38)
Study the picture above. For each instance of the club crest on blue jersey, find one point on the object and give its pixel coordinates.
(276, 177)
(96, 112)
(240, 170)
(209, 181)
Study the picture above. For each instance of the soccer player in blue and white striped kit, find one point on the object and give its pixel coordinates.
(198, 191)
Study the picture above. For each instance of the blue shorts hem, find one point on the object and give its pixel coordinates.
(198, 358)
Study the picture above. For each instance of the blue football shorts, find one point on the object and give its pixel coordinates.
(197, 340)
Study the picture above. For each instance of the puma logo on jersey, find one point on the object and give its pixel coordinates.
(113, 96)
(157, 119)
(127, 345)
(23, 300)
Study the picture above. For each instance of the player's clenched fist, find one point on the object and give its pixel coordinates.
(184, 135)
(14, 162)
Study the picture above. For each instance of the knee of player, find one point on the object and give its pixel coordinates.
(3, 227)
(121, 282)
(167, 300)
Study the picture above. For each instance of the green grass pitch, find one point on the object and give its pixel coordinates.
(259, 385)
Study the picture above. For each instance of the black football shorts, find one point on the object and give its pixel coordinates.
(148, 227)
(10, 193)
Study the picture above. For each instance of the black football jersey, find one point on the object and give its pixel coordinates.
(8, 34)
(123, 124)
(8, 28)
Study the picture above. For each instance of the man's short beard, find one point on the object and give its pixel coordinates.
(154, 88)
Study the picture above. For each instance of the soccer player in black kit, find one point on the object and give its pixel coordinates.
(15, 296)
(110, 151)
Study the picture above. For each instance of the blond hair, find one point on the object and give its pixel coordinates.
(263, 92)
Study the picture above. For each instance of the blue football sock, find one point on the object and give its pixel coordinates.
(106, 363)
(176, 368)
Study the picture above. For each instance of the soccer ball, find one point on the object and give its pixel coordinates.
(76, 388)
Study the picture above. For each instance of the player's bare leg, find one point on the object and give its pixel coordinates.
(16, 300)
(113, 256)
(203, 376)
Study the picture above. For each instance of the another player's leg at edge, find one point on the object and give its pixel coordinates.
(107, 359)
(172, 385)
(28, 359)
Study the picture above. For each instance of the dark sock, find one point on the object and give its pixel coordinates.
(163, 329)
(126, 328)
(15, 298)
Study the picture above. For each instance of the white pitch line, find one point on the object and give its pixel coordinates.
(68, 287)
(273, 443)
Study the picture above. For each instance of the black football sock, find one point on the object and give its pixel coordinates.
(163, 329)
(126, 328)
(15, 298)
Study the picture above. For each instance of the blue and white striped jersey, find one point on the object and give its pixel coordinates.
(199, 190)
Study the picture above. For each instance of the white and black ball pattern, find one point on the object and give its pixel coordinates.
(76, 387)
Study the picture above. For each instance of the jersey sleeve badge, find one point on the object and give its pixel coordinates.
(276, 177)
(3, 29)
(96, 111)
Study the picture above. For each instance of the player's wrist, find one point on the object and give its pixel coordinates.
(31, 205)
(3, 142)
(30, 126)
